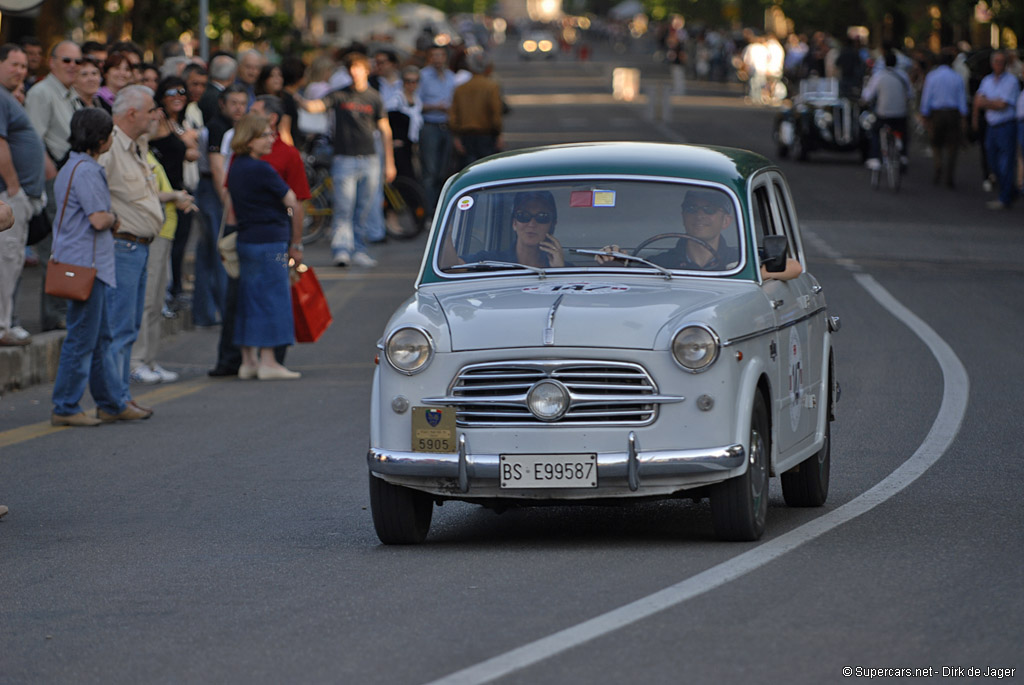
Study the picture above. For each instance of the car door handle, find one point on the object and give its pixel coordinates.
(816, 289)
(777, 303)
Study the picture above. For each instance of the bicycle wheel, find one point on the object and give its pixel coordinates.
(318, 207)
(404, 208)
(893, 171)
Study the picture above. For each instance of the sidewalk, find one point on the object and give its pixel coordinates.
(21, 367)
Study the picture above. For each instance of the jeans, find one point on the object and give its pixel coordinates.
(356, 180)
(85, 358)
(211, 280)
(435, 155)
(125, 305)
(1001, 150)
(375, 231)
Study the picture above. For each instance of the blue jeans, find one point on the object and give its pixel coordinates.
(1001, 150)
(375, 231)
(84, 358)
(124, 310)
(356, 180)
(435, 155)
(211, 279)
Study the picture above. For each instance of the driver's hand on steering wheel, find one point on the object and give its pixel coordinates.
(605, 259)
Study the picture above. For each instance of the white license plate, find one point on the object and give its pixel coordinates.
(548, 470)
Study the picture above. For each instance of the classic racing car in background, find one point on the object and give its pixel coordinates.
(602, 322)
(820, 118)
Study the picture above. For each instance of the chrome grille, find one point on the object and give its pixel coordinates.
(601, 393)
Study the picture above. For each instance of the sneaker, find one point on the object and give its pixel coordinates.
(8, 339)
(20, 333)
(987, 186)
(168, 313)
(363, 259)
(165, 375)
(145, 375)
(874, 164)
(342, 258)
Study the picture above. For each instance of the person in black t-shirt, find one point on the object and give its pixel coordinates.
(358, 114)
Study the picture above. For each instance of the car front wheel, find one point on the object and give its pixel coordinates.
(739, 506)
(401, 516)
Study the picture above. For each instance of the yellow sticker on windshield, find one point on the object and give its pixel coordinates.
(604, 198)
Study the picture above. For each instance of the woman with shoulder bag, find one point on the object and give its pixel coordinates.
(269, 234)
(82, 235)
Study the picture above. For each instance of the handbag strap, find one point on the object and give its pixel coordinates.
(64, 208)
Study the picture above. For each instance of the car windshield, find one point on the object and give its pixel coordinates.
(660, 226)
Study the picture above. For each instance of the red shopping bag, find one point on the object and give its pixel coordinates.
(309, 306)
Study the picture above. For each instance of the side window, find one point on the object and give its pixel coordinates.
(785, 215)
(764, 223)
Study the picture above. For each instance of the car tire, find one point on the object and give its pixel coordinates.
(401, 516)
(799, 148)
(783, 151)
(739, 506)
(806, 484)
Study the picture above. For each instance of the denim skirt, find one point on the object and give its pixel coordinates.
(264, 314)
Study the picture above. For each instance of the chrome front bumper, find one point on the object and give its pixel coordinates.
(619, 473)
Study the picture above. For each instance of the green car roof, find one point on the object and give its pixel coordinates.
(729, 166)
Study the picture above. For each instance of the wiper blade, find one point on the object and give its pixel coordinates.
(622, 255)
(492, 264)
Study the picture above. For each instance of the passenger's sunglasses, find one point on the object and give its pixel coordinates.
(524, 217)
(707, 209)
(69, 60)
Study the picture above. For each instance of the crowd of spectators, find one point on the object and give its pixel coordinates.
(167, 170)
(942, 100)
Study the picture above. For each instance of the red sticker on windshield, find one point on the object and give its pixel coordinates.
(581, 198)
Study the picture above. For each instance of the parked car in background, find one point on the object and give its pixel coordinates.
(599, 323)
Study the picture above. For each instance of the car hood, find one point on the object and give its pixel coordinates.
(582, 313)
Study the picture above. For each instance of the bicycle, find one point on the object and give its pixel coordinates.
(891, 148)
(405, 209)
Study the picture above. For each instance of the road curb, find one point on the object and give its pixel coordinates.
(21, 367)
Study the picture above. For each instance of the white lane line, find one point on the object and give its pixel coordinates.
(943, 431)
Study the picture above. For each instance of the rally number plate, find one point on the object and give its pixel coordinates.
(433, 430)
(548, 470)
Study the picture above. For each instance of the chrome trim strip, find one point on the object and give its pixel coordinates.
(613, 467)
(549, 332)
(773, 329)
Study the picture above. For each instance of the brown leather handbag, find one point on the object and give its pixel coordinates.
(69, 280)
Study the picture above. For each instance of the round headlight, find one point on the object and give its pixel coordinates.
(695, 348)
(548, 400)
(409, 350)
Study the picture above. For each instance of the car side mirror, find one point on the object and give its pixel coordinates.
(774, 253)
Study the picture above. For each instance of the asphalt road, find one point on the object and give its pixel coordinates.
(228, 539)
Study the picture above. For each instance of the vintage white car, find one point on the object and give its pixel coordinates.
(602, 322)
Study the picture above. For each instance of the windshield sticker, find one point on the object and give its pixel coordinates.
(581, 198)
(604, 198)
(465, 203)
(576, 288)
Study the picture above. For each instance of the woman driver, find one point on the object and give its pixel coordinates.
(534, 216)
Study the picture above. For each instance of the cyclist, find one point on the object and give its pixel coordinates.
(889, 92)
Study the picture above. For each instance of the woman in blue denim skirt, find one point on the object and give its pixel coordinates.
(269, 233)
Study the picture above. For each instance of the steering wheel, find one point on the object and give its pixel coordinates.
(662, 236)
